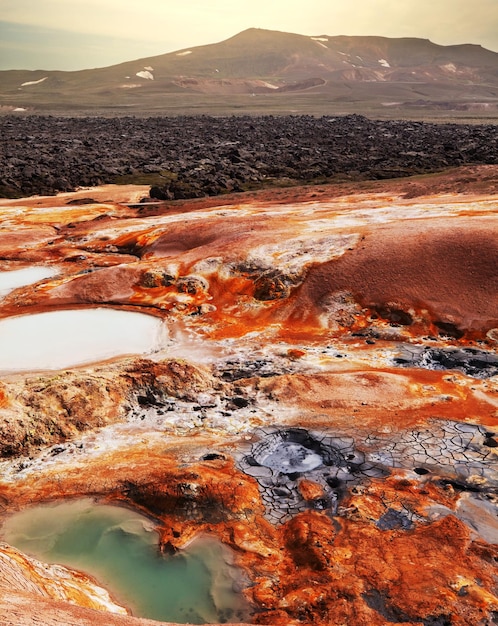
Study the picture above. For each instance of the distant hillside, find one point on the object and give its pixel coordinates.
(273, 71)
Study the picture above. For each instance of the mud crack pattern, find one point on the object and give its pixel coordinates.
(280, 460)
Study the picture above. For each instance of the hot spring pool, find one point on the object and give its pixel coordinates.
(119, 548)
(60, 339)
(25, 276)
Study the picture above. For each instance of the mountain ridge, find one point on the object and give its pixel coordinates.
(263, 62)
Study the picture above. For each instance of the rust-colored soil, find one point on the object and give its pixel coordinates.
(355, 484)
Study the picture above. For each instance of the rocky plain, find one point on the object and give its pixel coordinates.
(189, 157)
(322, 396)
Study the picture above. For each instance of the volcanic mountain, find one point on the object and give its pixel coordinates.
(270, 71)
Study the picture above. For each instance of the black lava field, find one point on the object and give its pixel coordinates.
(188, 157)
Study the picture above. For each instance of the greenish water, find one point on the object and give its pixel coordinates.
(119, 548)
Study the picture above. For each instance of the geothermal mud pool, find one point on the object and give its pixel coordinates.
(309, 377)
(26, 276)
(119, 547)
(58, 339)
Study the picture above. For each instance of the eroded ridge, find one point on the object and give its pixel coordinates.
(285, 462)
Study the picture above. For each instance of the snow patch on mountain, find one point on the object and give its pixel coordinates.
(145, 73)
(34, 82)
(451, 67)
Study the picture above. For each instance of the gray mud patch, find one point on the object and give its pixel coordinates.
(452, 454)
(471, 361)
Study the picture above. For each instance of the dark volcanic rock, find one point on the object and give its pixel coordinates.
(470, 361)
(189, 157)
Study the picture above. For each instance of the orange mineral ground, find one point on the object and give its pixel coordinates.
(319, 391)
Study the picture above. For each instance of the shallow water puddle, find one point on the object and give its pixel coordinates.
(60, 339)
(25, 276)
(119, 548)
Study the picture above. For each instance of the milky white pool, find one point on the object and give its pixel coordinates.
(25, 276)
(60, 339)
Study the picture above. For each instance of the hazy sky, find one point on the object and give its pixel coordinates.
(76, 34)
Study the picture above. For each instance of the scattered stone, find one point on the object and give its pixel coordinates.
(192, 285)
(393, 519)
(271, 286)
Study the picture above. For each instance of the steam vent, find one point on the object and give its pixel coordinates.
(277, 407)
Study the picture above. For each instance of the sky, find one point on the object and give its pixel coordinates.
(80, 34)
